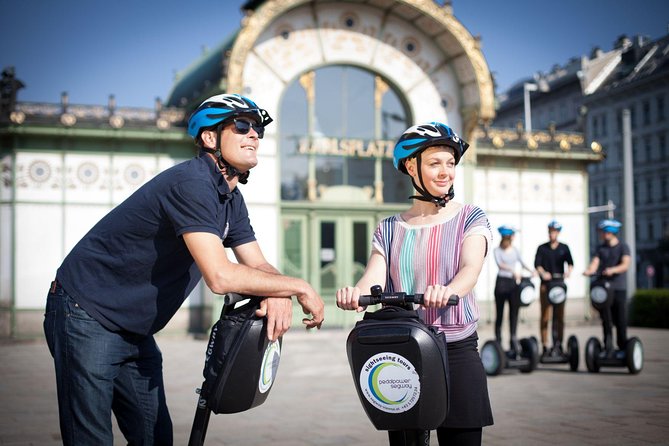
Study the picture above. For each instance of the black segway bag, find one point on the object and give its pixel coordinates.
(241, 362)
(557, 291)
(601, 295)
(525, 294)
(400, 370)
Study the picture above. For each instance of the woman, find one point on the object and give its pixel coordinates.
(508, 258)
(437, 247)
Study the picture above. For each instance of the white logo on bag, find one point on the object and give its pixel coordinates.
(390, 382)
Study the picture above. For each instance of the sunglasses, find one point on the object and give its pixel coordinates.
(242, 127)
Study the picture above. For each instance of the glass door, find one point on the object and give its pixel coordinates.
(330, 252)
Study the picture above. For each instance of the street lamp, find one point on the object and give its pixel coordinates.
(527, 88)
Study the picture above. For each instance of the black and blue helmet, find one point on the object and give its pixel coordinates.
(419, 137)
(609, 225)
(554, 224)
(224, 107)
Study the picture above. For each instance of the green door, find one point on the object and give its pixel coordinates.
(330, 251)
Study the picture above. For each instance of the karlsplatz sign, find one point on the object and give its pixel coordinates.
(358, 148)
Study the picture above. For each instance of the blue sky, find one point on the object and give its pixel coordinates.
(132, 48)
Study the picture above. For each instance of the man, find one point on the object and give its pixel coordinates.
(612, 260)
(130, 274)
(549, 262)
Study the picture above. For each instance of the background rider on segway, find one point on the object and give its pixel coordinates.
(549, 262)
(611, 261)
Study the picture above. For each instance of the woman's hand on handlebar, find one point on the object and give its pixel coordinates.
(436, 296)
(347, 298)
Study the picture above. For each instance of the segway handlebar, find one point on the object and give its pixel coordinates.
(396, 298)
(233, 298)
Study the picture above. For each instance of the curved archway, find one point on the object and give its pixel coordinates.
(437, 56)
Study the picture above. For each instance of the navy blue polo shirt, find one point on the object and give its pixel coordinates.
(132, 270)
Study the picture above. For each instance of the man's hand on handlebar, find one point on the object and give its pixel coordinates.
(313, 305)
(279, 314)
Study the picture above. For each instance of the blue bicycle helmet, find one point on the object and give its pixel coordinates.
(224, 107)
(554, 224)
(214, 113)
(610, 225)
(506, 230)
(419, 137)
(414, 141)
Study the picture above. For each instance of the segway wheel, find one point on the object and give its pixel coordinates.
(530, 351)
(572, 353)
(493, 358)
(634, 355)
(534, 352)
(592, 350)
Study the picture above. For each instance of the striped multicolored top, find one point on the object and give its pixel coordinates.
(418, 256)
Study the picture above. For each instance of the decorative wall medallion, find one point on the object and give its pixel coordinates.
(410, 46)
(134, 174)
(349, 20)
(39, 171)
(284, 31)
(88, 173)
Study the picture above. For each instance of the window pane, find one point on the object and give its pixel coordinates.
(342, 148)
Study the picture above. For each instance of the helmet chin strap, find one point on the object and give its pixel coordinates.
(424, 194)
(222, 163)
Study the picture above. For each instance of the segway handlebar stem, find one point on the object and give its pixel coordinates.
(233, 298)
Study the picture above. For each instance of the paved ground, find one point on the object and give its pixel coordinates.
(313, 401)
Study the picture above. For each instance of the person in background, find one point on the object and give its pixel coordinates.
(612, 260)
(436, 247)
(132, 271)
(510, 266)
(550, 261)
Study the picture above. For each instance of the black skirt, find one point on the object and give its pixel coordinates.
(468, 386)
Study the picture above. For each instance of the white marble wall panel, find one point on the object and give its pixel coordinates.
(404, 37)
(354, 43)
(503, 190)
(266, 86)
(38, 252)
(289, 44)
(426, 105)
(261, 187)
(396, 65)
(445, 82)
(129, 173)
(569, 189)
(87, 178)
(265, 222)
(39, 177)
(79, 219)
(480, 195)
(535, 191)
(6, 177)
(6, 234)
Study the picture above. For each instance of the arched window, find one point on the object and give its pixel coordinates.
(338, 128)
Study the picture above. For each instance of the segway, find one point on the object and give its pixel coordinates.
(240, 364)
(596, 355)
(525, 354)
(557, 294)
(399, 365)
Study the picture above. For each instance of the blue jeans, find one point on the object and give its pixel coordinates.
(99, 371)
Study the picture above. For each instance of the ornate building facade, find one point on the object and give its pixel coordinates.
(342, 80)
